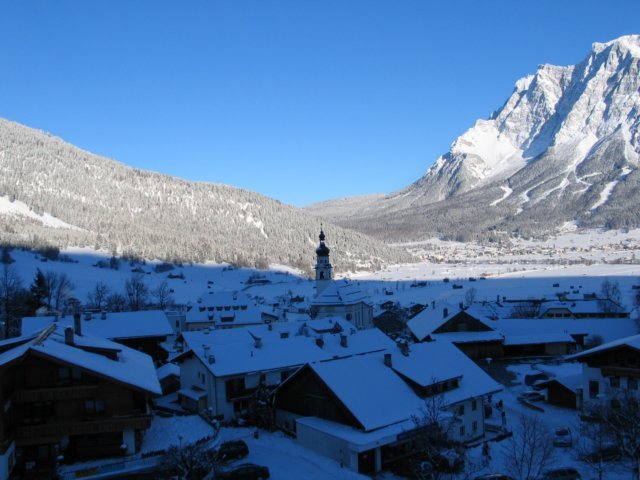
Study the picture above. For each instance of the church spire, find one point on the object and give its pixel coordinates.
(323, 266)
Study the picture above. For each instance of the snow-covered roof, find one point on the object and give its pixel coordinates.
(429, 320)
(579, 306)
(469, 337)
(282, 345)
(631, 342)
(371, 391)
(359, 441)
(226, 308)
(167, 370)
(112, 325)
(432, 362)
(340, 292)
(538, 338)
(571, 382)
(130, 367)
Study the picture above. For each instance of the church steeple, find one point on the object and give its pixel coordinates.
(323, 266)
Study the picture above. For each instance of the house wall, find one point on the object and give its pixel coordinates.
(468, 420)
(327, 445)
(482, 349)
(559, 395)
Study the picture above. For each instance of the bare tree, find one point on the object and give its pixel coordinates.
(470, 296)
(620, 414)
(527, 309)
(610, 296)
(530, 450)
(98, 297)
(435, 452)
(62, 290)
(593, 445)
(192, 461)
(162, 295)
(115, 302)
(137, 292)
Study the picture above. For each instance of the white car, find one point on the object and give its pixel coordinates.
(562, 437)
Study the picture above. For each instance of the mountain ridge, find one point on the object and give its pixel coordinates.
(565, 137)
(140, 213)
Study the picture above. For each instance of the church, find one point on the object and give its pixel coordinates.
(339, 298)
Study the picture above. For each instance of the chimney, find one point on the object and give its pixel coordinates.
(433, 304)
(343, 341)
(445, 312)
(77, 323)
(206, 350)
(461, 306)
(319, 342)
(103, 315)
(404, 349)
(387, 360)
(270, 327)
(68, 335)
(258, 342)
(212, 359)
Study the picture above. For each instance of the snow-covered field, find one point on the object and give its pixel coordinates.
(520, 272)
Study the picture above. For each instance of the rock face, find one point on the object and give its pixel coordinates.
(52, 193)
(563, 148)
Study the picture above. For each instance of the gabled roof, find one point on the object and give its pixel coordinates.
(370, 390)
(112, 325)
(225, 308)
(630, 342)
(130, 367)
(428, 321)
(433, 362)
(282, 345)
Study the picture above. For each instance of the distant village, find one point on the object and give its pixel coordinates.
(374, 387)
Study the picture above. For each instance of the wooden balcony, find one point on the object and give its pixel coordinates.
(33, 433)
(57, 393)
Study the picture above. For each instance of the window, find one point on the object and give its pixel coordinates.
(94, 406)
(594, 389)
(632, 383)
(474, 426)
(474, 405)
(614, 382)
(462, 431)
(64, 373)
(461, 410)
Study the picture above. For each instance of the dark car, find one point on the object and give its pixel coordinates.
(568, 473)
(232, 450)
(246, 471)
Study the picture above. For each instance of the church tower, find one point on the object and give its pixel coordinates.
(323, 267)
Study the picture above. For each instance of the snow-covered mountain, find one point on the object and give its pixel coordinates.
(563, 148)
(52, 193)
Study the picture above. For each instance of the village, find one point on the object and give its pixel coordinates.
(404, 377)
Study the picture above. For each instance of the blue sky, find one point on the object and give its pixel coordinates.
(298, 100)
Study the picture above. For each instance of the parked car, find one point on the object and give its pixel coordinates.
(568, 473)
(246, 471)
(232, 450)
(531, 396)
(494, 476)
(562, 437)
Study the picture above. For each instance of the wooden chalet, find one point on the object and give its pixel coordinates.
(68, 397)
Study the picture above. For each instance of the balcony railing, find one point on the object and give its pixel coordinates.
(57, 393)
(57, 429)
